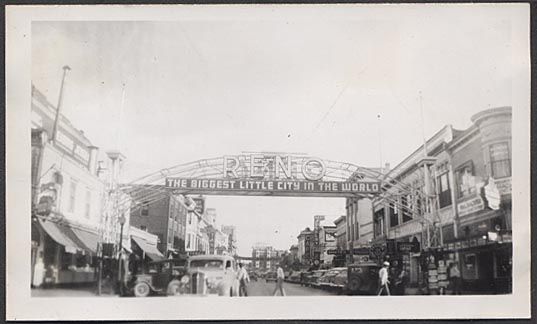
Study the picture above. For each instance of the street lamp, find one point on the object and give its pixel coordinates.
(122, 221)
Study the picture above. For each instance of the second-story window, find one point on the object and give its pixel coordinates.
(444, 188)
(144, 211)
(500, 161)
(407, 207)
(466, 181)
(88, 203)
(72, 196)
(394, 215)
(378, 225)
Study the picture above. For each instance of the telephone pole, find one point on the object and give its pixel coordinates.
(58, 107)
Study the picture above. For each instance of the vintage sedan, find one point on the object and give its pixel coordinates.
(158, 278)
(210, 275)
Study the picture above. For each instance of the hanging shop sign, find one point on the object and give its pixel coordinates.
(407, 247)
(470, 206)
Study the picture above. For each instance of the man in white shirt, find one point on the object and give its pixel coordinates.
(455, 278)
(244, 278)
(279, 281)
(383, 279)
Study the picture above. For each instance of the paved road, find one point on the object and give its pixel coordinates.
(261, 288)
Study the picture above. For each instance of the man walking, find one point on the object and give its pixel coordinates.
(383, 279)
(244, 278)
(455, 278)
(279, 281)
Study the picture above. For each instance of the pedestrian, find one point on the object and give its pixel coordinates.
(383, 279)
(244, 279)
(455, 278)
(279, 281)
(401, 282)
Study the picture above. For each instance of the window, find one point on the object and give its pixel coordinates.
(394, 215)
(189, 218)
(408, 208)
(144, 211)
(143, 228)
(357, 230)
(88, 203)
(72, 196)
(170, 235)
(378, 225)
(466, 181)
(188, 241)
(444, 190)
(500, 161)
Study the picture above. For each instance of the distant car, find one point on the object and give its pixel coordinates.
(294, 277)
(160, 277)
(210, 275)
(271, 276)
(327, 280)
(252, 275)
(340, 281)
(315, 277)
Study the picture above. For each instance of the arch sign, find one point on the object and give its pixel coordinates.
(277, 175)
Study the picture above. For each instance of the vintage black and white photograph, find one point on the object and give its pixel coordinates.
(367, 154)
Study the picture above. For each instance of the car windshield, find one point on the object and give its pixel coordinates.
(207, 264)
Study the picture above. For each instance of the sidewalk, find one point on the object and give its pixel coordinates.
(80, 291)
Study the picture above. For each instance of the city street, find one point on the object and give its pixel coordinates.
(261, 288)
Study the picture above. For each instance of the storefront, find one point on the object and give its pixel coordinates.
(485, 256)
(62, 253)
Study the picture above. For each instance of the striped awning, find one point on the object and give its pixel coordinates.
(71, 237)
(150, 250)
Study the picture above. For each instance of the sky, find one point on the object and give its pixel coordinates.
(345, 89)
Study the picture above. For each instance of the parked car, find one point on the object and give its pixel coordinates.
(340, 280)
(362, 279)
(314, 279)
(271, 276)
(210, 275)
(159, 277)
(327, 280)
(294, 277)
(305, 277)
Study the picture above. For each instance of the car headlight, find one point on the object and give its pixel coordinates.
(185, 279)
(211, 283)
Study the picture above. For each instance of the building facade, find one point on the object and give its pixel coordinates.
(68, 200)
(165, 216)
(305, 246)
(327, 239)
(450, 201)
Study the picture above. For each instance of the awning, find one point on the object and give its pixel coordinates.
(70, 237)
(150, 250)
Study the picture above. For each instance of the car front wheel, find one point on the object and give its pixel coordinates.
(141, 289)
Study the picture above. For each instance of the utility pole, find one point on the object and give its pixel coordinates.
(58, 107)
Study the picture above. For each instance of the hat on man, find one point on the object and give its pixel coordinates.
(386, 264)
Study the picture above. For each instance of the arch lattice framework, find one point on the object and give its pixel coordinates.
(150, 188)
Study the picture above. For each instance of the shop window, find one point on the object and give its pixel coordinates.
(144, 211)
(394, 215)
(503, 264)
(444, 190)
(500, 161)
(72, 196)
